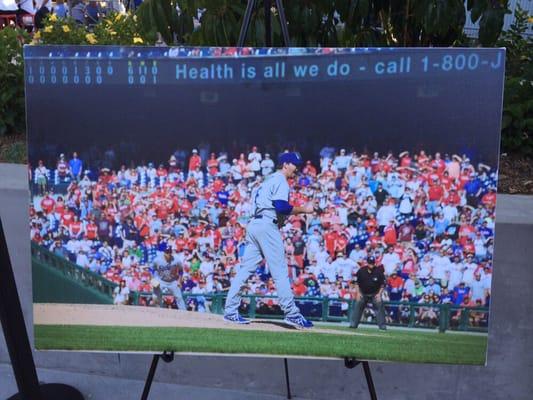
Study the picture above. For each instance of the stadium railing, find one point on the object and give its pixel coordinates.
(73, 272)
(324, 309)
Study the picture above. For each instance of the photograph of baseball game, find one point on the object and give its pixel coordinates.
(325, 218)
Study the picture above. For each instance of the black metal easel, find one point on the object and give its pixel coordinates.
(167, 356)
(352, 363)
(18, 344)
(268, 26)
(348, 363)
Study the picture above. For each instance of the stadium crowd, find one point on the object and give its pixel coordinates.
(427, 220)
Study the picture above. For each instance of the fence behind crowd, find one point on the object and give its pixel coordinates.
(66, 282)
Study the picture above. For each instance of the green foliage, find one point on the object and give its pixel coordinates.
(490, 14)
(517, 119)
(162, 16)
(12, 117)
(14, 152)
(221, 23)
(60, 31)
(114, 28)
(333, 23)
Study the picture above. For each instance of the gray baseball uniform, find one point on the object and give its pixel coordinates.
(168, 280)
(263, 240)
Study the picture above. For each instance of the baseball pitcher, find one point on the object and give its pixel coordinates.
(263, 240)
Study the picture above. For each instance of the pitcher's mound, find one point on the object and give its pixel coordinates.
(112, 315)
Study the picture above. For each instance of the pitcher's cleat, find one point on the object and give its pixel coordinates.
(236, 319)
(298, 321)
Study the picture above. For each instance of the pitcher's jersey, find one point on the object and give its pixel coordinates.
(274, 187)
(165, 269)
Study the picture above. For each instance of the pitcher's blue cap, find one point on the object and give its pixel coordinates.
(291, 157)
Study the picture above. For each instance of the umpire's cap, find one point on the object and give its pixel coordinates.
(290, 157)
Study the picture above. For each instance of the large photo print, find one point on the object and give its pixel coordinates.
(291, 202)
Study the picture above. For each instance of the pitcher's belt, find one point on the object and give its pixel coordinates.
(275, 221)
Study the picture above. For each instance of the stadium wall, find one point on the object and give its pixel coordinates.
(52, 286)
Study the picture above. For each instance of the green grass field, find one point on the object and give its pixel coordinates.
(370, 344)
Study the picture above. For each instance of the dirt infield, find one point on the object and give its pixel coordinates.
(111, 315)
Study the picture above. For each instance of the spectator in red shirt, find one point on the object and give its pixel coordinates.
(195, 161)
(395, 286)
(47, 203)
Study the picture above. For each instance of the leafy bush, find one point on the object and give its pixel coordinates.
(517, 119)
(117, 29)
(12, 117)
(14, 152)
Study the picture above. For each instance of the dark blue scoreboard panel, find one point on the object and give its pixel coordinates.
(159, 97)
(94, 65)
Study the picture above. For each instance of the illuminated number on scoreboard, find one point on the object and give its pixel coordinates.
(131, 79)
(154, 71)
(447, 63)
(87, 79)
(65, 79)
(64, 70)
(76, 79)
(142, 79)
(473, 61)
(98, 71)
(31, 79)
(53, 77)
(42, 79)
(109, 70)
(460, 62)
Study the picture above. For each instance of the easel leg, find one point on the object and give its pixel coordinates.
(268, 23)
(352, 363)
(283, 23)
(246, 22)
(369, 381)
(150, 378)
(285, 362)
(268, 27)
(166, 357)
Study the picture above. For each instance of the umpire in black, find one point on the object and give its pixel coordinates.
(370, 284)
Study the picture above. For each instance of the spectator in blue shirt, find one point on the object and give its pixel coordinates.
(446, 297)
(223, 197)
(75, 165)
(459, 293)
(441, 224)
(485, 230)
(92, 13)
(473, 189)
(60, 9)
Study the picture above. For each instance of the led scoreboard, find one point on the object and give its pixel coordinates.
(173, 92)
(94, 65)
